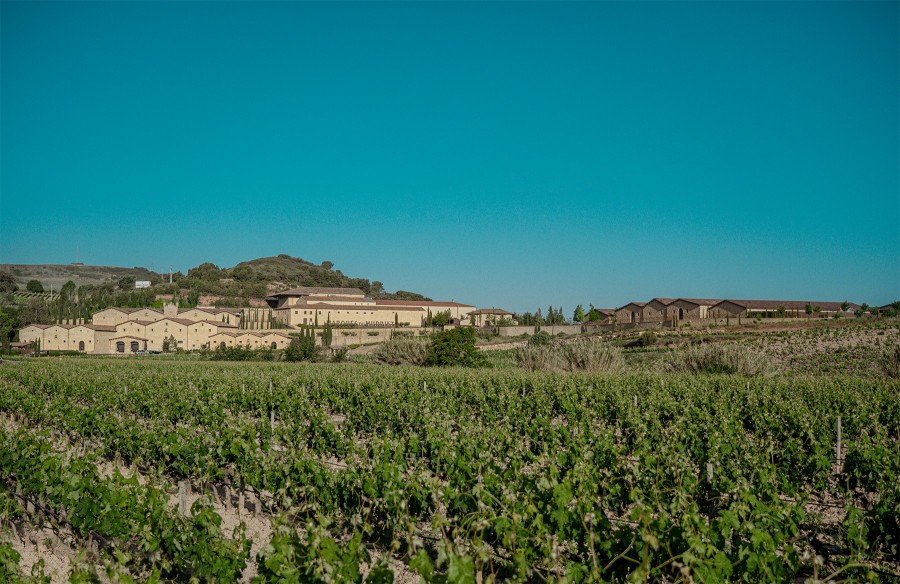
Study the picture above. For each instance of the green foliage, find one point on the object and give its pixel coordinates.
(235, 353)
(316, 557)
(578, 316)
(9, 563)
(718, 358)
(441, 318)
(401, 350)
(454, 347)
(125, 283)
(540, 339)
(592, 355)
(339, 355)
(502, 475)
(302, 348)
(7, 282)
(34, 286)
(647, 339)
(594, 315)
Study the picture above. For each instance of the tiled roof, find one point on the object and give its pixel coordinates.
(788, 304)
(701, 301)
(499, 311)
(140, 322)
(99, 327)
(346, 307)
(664, 301)
(332, 299)
(312, 290)
(425, 303)
(216, 323)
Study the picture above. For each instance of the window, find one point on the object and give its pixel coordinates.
(81, 345)
(120, 346)
(135, 346)
(274, 345)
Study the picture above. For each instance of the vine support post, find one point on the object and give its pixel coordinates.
(710, 500)
(182, 497)
(837, 450)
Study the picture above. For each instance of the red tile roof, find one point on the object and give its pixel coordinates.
(344, 307)
(425, 303)
(312, 290)
(788, 304)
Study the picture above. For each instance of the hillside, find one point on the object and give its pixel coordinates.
(252, 279)
(56, 275)
(283, 271)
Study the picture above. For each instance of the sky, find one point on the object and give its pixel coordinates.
(502, 154)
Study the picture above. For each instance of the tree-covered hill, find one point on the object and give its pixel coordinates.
(79, 290)
(283, 271)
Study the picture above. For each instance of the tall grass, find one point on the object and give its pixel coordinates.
(718, 358)
(592, 355)
(890, 362)
(538, 358)
(402, 351)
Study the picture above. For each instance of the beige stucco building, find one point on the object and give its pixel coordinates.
(128, 330)
(350, 306)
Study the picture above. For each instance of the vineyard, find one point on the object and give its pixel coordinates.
(130, 470)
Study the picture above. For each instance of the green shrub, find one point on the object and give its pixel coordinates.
(402, 350)
(646, 339)
(592, 355)
(538, 358)
(339, 355)
(237, 353)
(706, 358)
(302, 348)
(540, 339)
(890, 362)
(455, 347)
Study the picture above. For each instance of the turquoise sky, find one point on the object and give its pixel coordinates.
(501, 154)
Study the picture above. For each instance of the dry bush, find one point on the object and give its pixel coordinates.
(402, 351)
(890, 362)
(538, 358)
(593, 355)
(718, 358)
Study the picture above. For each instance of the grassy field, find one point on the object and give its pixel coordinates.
(145, 469)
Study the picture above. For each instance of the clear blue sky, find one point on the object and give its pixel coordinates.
(502, 154)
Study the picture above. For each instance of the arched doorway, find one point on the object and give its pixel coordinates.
(274, 345)
(135, 346)
(81, 346)
(680, 314)
(633, 316)
(120, 346)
